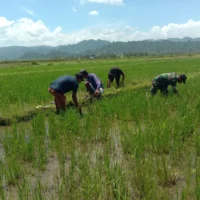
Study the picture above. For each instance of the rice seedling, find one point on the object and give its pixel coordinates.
(128, 145)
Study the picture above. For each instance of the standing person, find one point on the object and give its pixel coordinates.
(115, 73)
(63, 85)
(93, 84)
(162, 81)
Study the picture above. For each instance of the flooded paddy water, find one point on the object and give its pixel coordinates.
(49, 180)
(83, 165)
(127, 146)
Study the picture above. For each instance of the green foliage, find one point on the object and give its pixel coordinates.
(92, 49)
(127, 145)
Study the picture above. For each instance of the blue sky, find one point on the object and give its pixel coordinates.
(48, 22)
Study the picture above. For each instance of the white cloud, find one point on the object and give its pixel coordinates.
(94, 12)
(74, 9)
(112, 2)
(28, 11)
(27, 32)
(4, 22)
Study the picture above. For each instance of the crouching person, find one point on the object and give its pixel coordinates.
(93, 84)
(62, 85)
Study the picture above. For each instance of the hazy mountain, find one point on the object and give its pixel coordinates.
(15, 52)
(102, 48)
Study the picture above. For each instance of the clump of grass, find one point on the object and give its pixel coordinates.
(34, 62)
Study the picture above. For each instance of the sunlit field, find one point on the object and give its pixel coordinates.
(127, 145)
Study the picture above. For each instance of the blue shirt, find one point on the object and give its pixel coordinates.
(95, 81)
(65, 84)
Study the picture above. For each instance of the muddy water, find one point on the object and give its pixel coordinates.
(6, 129)
(49, 178)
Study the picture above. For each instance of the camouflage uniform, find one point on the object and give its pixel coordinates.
(162, 81)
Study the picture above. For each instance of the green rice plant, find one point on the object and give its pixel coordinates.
(38, 126)
(12, 171)
(88, 127)
(42, 154)
(184, 194)
(28, 153)
(62, 155)
(20, 144)
(23, 189)
(41, 144)
(117, 182)
(84, 176)
(100, 126)
(70, 179)
(71, 121)
(38, 191)
(159, 136)
(197, 144)
(143, 178)
(164, 172)
(133, 142)
(61, 192)
(2, 193)
(53, 127)
(197, 192)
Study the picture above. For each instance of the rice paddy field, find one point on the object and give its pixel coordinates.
(128, 145)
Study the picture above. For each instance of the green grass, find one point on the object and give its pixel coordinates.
(24, 87)
(126, 146)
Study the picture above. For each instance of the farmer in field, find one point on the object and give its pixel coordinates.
(115, 73)
(63, 85)
(93, 84)
(162, 81)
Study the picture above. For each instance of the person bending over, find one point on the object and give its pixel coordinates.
(62, 85)
(162, 81)
(115, 73)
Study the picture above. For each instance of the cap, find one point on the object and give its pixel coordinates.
(83, 72)
(79, 75)
(183, 77)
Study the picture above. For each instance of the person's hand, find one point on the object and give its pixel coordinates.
(96, 93)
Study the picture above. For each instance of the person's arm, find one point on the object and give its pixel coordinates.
(175, 91)
(98, 83)
(75, 100)
(123, 77)
(108, 84)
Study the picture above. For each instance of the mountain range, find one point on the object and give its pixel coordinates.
(102, 48)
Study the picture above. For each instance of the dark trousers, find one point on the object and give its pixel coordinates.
(163, 89)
